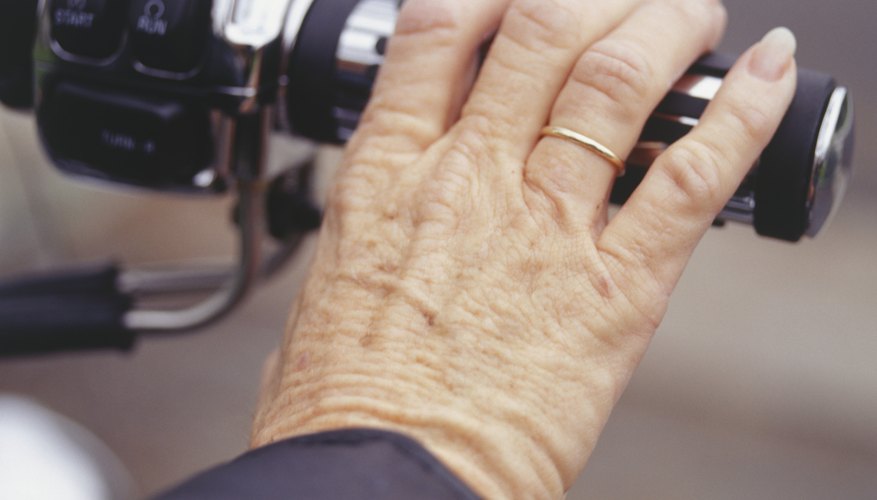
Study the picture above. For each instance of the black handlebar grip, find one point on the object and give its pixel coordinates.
(788, 198)
(99, 279)
(782, 184)
(79, 310)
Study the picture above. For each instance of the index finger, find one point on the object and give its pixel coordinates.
(656, 231)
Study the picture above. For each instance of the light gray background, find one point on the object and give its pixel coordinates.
(760, 384)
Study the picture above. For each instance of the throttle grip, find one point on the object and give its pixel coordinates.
(790, 193)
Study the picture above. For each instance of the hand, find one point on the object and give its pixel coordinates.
(468, 288)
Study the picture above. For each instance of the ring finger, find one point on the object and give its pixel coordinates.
(608, 97)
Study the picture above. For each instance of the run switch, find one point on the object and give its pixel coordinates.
(169, 35)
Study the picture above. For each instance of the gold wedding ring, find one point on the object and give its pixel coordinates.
(587, 143)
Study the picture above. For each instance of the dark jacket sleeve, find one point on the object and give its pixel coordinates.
(346, 464)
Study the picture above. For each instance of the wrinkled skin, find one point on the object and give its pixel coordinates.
(468, 288)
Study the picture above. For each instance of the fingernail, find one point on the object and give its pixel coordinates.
(773, 54)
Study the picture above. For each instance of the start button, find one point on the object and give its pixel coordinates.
(88, 28)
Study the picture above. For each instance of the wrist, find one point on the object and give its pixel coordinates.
(495, 459)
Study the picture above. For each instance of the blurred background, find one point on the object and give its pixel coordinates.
(760, 384)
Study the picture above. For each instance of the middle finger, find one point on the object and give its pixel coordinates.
(533, 52)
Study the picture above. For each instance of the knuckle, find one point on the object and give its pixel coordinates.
(622, 255)
(402, 121)
(478, 135)
(537, 26)
(694, 169)
(547, 201)
(345, 196)
(633, 272)
(696, 12)
(428, 17)
(451, 191)
(476, 125)
(615, 70)
(749, 121)
(551, 174)
(448, 196)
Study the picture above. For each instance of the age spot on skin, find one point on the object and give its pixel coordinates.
(388, 267)
(366, 340)
(429, 316)
(391, 213)
(603, 285)
(304, 361)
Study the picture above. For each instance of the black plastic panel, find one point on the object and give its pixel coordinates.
(17, 31)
